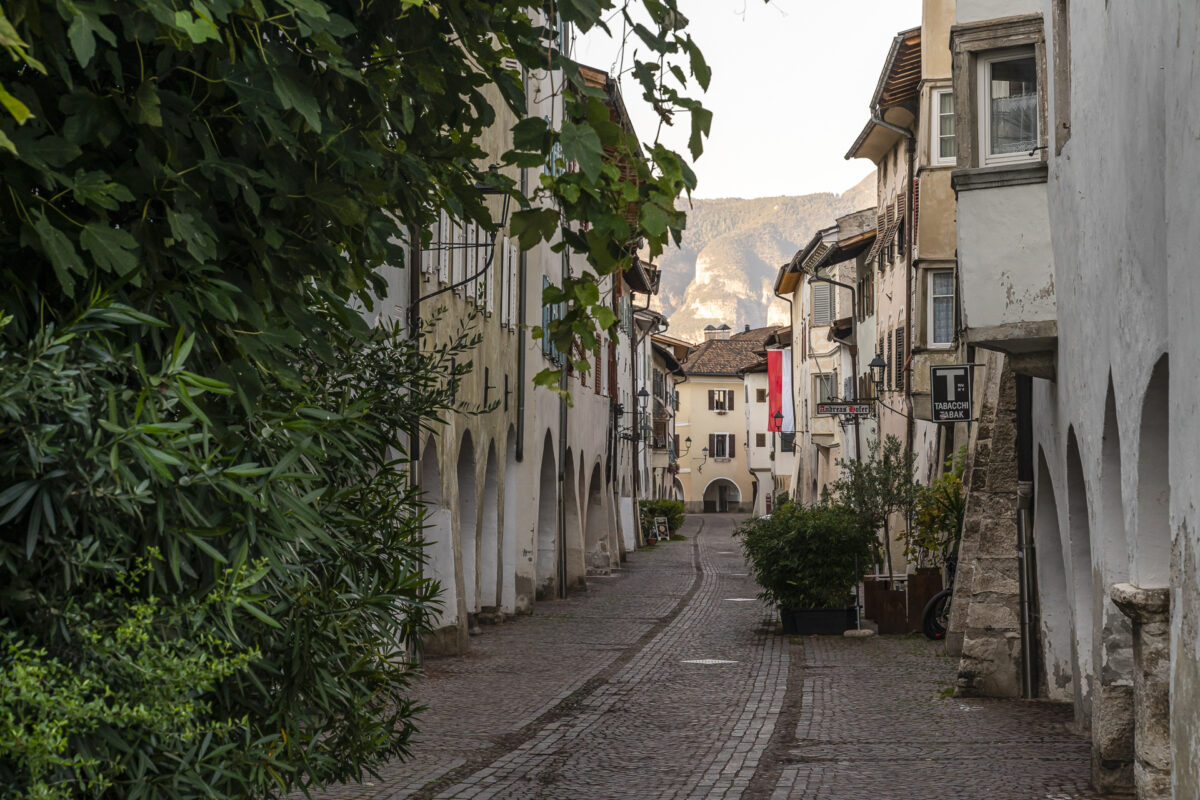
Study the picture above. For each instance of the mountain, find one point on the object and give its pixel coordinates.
(724, 269)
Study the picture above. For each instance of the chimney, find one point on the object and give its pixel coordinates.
(712, 332)
(747, 327)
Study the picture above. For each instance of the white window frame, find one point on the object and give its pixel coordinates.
(930, 343)
(984, 70)
(829, 379)
(935, 124)
(724, 438)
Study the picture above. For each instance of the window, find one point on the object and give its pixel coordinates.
(890, 359)
(720, 400)
(760, 440)
(825, 387)
(1009, 93)
(941, 308)
(720, 445)
(901, 357)
(787, 442)
(760, 395)
(944, 147)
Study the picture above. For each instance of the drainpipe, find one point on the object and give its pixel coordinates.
(522, 269)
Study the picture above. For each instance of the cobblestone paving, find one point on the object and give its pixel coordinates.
(666, 681)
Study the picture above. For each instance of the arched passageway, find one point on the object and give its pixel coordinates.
(468, 521)
(571, 546)
(1112, 650)
(1152, 542)
(1080, 579)
(439, 554)
(597, 553)
(1056, 675)
(489, 536)
(546, 576)
(508, 527)
(677, 486)
(1147, 598)
(721, 494)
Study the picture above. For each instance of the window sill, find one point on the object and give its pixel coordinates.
(722, 459)
(995, 177)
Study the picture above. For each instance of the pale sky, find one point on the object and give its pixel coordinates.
(790, 87)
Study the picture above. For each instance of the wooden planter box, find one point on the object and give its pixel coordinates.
(922, 586)
(817, 621)
(886, 606)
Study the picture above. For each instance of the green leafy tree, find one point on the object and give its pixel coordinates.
(938, 514)
(877, 488)
(196, 201)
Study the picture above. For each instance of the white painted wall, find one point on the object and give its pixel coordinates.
(1005, 263)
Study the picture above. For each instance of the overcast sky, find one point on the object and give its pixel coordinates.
(790, 87)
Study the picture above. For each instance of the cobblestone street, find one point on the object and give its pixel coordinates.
(666, 681)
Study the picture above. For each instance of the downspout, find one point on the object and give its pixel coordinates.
(522, 268)
(562, 452)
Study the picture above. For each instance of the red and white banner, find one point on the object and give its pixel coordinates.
(779, 391)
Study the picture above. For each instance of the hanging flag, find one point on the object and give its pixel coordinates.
(779, 391)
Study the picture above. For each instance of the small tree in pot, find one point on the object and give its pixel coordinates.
(807, 560)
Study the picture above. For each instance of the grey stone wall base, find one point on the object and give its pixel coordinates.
(448, 641)
(985, 612)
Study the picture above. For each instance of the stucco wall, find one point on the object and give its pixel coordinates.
(701, 471)
(1004, 254)
(975, 10)
(1182, 64)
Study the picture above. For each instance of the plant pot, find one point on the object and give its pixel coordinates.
(817, 621)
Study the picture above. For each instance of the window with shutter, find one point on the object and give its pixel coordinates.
(760, 395)
(675, 441)
(712, 445)
(712, 399)
(445, 239)
(822, 308)
(729, 399)
(901, 356)
(599, 372)
(760, 440)
(732, 444)
(887, 373)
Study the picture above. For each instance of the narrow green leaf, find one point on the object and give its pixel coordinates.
(61, 252)
(19, 111)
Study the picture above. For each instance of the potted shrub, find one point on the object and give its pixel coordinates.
(807, 560)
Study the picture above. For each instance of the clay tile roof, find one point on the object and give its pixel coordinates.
(728, 356)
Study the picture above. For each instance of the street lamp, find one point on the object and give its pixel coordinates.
(877, 366)
(688, 442)
(700, 466)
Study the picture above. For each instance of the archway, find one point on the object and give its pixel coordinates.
(489, 536)
(468, 521)
(571, 548)
(508, 527)
(1148, 602)
(1080, 580)
(1152, 542)
(677, 485)
(629, 519)
(1053, 608)
(721, 494)
(546, 575)
(439, 553)
(598, 555)
(1112, 654)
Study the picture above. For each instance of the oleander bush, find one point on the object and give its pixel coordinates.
(807, 556)
(671, 509)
